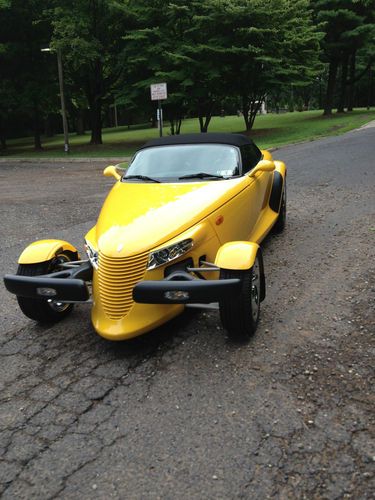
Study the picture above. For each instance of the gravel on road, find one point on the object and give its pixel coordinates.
(181, 412)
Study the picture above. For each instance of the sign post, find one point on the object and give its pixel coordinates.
(159, 93)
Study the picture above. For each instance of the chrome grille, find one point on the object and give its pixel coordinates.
(117, 278)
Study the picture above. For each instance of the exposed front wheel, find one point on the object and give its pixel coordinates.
(240, 314)
(43, 310)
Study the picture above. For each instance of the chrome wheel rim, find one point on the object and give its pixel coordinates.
(255, 290)
(284, 203)
(58, 306)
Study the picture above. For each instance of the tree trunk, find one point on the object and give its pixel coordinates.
(330, 92)
(80, 122)
(369, 88)
(351, 81)
(48, 126)
(96, 121)
(256, 104)
(95, 92)
(320, 104)
(205, 110)
(206, 123)
(36, 126)
(245, 111)
(178, 126)
(344, 76)
(3, 144)
(306, 102)
(250, 109)
(171, 121)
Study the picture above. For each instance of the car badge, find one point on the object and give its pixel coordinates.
(120, 247)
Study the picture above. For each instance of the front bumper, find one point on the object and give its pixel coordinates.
(68, 285)
(73, 290)
(182, 288)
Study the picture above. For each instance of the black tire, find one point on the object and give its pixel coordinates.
(281, 219)
(240, 314)
(40, 309)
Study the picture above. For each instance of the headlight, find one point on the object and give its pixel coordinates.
(92, 254)
(166, 254)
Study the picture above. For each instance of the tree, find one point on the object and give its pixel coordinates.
(163, 32)
(86, 31)
(348, 26)
(257, 57)
(26, 84)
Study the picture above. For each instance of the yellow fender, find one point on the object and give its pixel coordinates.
(266, 155)
(237, 255)
(280, 167)
(45, 250)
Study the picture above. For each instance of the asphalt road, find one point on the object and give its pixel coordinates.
(181, 413)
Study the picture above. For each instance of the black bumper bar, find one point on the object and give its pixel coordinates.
(65, 289)
(185, 291)
(64, 285)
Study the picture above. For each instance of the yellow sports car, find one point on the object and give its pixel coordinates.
(181, 226)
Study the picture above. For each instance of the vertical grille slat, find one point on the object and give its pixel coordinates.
(125, 271)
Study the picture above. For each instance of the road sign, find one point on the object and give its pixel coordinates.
(158, 91)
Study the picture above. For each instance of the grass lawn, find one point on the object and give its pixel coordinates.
(270, 130)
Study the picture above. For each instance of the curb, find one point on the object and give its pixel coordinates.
(367, 125)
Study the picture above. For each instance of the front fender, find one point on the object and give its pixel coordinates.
(237, 255)
(278, 184)
(240, 256)
(45, 250)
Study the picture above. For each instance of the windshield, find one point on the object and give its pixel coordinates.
(184, 161)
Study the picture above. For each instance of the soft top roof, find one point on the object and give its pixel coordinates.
(211, 138)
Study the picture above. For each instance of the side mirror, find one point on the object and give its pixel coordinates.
(111, 171)
(263, 166)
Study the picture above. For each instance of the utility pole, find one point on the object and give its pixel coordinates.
(62, 98)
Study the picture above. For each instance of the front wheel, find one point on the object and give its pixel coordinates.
(240, 314)
(281, 219)
(43, 310)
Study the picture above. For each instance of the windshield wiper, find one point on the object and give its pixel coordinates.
(201, 175)
(141, 177)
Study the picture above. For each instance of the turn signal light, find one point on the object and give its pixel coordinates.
(176, 295)
(46, 292)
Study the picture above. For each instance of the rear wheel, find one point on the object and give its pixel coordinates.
(240, 314)
(43, 310)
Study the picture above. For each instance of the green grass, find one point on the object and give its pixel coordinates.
(269, 131)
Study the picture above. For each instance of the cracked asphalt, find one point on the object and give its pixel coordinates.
(181, 412)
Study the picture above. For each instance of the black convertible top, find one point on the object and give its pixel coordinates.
(211, 138)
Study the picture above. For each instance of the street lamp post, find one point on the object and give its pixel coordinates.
(62, 98)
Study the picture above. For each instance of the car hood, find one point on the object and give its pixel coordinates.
(137, 217)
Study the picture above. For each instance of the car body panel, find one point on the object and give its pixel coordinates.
(44, 250)
(162, 211)
(237, 255)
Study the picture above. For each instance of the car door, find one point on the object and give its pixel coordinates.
(242, 212)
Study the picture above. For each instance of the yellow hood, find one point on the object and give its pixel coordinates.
(137, 217)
